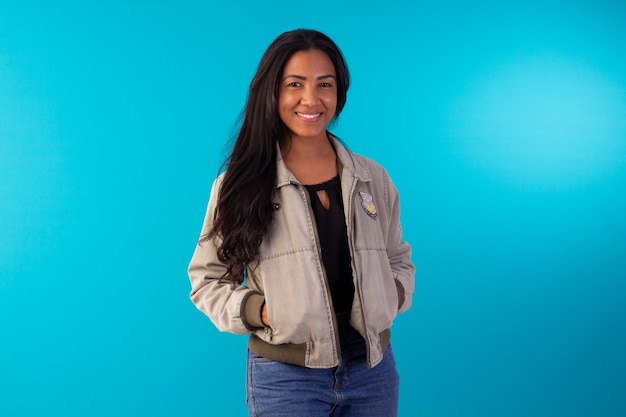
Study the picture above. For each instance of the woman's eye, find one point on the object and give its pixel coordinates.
(326, 85)
(293, 84)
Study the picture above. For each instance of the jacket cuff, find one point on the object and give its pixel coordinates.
(401, 296)
(251, 306)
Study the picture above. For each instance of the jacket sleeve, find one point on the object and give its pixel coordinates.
(399, 251)
(232, 307)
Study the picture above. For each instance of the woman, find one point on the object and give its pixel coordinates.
(302, 247)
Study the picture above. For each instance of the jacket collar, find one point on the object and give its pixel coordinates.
(348, 164)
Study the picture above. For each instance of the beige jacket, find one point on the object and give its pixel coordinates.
(289, 276)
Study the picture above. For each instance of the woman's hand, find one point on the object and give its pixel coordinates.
(264, 317)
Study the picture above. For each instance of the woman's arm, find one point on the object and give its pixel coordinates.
(231, 306)
(399, 252)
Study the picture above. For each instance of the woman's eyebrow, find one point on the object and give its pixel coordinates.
(302, 77)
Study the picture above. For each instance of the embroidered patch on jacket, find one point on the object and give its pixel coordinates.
(367, 201)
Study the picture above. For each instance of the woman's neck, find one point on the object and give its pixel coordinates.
(312, 161)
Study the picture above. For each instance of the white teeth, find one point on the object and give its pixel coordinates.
(308, 116)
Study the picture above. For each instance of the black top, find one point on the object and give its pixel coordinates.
(333, 240)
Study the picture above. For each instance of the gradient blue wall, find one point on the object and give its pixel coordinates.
(503, 125)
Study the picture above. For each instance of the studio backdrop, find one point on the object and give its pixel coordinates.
(503, 125)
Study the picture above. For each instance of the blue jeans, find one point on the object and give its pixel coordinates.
(279, 389)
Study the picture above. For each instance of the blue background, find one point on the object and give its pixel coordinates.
(503, 125)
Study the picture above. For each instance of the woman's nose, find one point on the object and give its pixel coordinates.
(309, 95)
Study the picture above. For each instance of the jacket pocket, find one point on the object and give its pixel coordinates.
(297, 303)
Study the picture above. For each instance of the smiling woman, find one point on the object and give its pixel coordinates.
(294, 215)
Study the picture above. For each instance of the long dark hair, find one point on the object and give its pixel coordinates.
(244, 207)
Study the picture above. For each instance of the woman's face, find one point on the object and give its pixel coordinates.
(307, 97)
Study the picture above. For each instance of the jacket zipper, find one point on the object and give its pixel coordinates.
(357, 286)
(329, 303)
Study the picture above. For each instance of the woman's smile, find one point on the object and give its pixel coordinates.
(310, 117)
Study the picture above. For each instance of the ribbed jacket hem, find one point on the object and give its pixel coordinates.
(295, 354)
